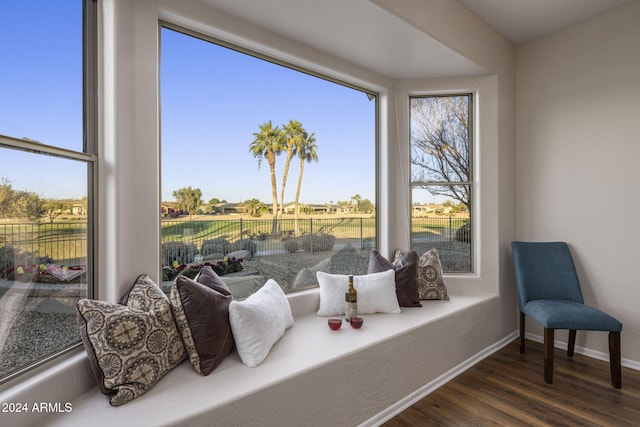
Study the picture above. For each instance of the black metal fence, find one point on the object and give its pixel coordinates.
(185, 240)
(63, 243)
(202, 237)
(66, 243)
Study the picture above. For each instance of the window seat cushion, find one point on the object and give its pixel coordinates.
(306, 351)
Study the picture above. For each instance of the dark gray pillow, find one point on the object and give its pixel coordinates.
(201, 309)
(406, 267)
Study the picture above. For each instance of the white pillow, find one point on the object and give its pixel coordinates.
(376, 293)
(259, 322)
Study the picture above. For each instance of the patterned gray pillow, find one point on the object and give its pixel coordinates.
(133, 344)
(430, 279)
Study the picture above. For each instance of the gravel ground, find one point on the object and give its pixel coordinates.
(295, 271)
(49, 324)
(35, 335)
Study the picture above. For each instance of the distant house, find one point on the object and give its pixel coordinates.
(168, 209)
(422, 209)
(228, 208)
(78, 209)
(312, 208)
(444, 210)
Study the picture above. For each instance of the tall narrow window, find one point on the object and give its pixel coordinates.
(441, 178)
(267, 171)
(47, 169)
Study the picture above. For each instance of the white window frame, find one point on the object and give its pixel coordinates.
(471, 178)
(372, 94)
(88, 155)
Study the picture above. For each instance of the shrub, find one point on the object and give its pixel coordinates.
(222, 267)
(7, 256)
(261, 236)
(285, 235)
(46, 260)
(12, 260)
(183, 253)
(463, 234)
(219, 245)
(317, 242)
(227, 266)
(244, 245)
(292, 246)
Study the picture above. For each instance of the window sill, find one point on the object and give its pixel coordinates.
(308, 349)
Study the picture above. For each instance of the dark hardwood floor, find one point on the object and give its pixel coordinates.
(508, 389)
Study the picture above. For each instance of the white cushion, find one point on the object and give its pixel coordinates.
(376, 293)
(259, 322)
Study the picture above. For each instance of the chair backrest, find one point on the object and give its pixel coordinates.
(545, 270)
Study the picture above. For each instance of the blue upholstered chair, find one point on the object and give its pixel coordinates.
(549, 293)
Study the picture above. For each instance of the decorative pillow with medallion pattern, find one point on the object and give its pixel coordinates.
(130, 345)
(430, 278)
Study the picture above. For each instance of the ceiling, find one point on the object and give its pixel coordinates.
(362, 33)
(524, 20)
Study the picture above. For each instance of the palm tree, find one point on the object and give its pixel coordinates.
(268, 143)
(356, 199)
(292, 134)
(306, 153)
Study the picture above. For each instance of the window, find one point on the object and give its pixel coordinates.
(441, 178)
(47, 169)
(265, 163)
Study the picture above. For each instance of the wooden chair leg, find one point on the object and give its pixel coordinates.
(615, 359)
(521, 332)
(548, 355)
(572, 342)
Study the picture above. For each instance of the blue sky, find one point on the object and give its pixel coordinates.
(213, 100)
(40, 93)
(41, 68)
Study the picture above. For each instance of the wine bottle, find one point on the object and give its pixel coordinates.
(350, 301)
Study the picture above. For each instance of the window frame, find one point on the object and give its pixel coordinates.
(372, 94)
(471, 95)
(88, 155)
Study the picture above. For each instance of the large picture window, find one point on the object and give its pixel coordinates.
(267, 171)
(442, 179)
(47, 172)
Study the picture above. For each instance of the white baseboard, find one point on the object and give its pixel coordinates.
(628, 363)
(430, 387)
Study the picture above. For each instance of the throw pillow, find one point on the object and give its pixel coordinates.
(130, 345)
(201, 310)
(406, 272)
(259, 322)
(376, 293)
(431, 284)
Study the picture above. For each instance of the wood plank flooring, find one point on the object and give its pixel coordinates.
(508, 389)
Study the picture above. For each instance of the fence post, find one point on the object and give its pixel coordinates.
(450, 227)
(311, 232)
(240, 238)
(361, 235)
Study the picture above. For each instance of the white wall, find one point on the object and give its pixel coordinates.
(128, 197)
(129, 166)
(495, 155)
(577, 160)
(494, 163)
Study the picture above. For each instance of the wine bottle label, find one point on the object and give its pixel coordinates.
(350, 310)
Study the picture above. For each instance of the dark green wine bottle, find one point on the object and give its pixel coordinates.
(350, 301)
